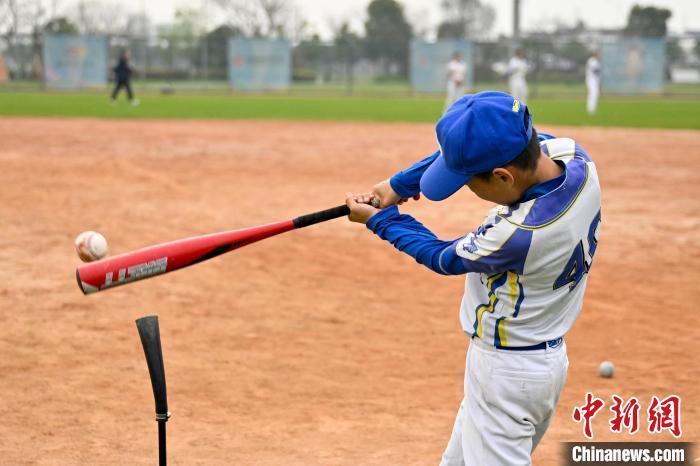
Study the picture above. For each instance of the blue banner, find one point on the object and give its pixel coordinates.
(75, 62)
(429, 63)
(633, 65)
(259, 64)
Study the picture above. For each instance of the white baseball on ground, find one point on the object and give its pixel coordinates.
(606, 369)
(91, 246)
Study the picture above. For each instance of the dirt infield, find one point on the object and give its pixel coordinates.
(321, 346)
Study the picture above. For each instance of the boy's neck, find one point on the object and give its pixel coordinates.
(547, 169)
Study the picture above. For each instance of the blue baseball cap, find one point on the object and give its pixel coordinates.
(478, 133)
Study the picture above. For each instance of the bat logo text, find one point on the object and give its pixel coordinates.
(136, 272)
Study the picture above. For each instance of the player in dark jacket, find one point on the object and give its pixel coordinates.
(122, 77)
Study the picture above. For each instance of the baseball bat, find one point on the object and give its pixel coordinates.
(167, 257)
(150, 339)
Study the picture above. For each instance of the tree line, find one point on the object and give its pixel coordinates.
(385, 39)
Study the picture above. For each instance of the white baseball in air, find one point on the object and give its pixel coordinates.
(606, 369)
(90, 246)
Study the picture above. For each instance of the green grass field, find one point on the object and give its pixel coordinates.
(647, 112)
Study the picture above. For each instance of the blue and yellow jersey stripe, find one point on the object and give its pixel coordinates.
(515, 293)
(493, 283)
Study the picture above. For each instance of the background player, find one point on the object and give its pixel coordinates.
(122, 77)
(456, 79)
(516, 71)
(527, 264)
(592, 82)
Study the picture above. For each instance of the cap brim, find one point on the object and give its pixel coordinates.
(439, 182)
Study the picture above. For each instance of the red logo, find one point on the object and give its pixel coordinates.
(661, 415)
(586, 412)
(626, 415)
(665, 415)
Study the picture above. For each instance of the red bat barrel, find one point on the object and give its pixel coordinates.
(162, 258)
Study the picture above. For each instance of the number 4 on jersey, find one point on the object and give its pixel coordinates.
(577, 265)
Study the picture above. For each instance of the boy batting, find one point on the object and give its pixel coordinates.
(526, 265)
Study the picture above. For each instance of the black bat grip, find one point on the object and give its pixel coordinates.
(321, 216)
(150, 339)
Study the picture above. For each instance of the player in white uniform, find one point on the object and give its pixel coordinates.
(527, 264)
(592, 82)
(516, 71)
(456, 79)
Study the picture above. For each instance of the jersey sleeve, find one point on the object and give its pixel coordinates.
(489, 249)
(496, 246)
(406, 183)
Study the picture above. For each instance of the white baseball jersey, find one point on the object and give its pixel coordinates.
(592, 84)
(517, 68)
(456, 71)
(546, 246)
(592, 71)
(456, 76)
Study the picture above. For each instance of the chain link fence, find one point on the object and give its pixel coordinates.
(200, 64)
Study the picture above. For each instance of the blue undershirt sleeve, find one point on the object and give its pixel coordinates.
(481, 251)
(410, 236)
(406, 183)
